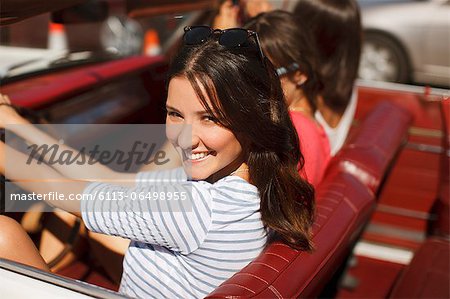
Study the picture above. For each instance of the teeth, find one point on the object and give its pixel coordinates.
(196, 156)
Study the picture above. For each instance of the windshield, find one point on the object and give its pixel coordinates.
(78, 36)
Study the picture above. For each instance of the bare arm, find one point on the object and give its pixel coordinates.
(227, 16)
(40, 179)
(78, 171)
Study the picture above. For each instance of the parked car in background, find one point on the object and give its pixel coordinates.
(406, 41)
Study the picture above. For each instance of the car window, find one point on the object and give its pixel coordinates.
(38, 43)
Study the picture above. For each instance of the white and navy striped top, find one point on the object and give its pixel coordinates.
(180, 248)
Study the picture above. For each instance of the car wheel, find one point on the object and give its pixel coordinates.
(383, 59)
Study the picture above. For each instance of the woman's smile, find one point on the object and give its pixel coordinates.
(198, 156)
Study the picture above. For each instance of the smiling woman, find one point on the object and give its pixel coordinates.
(194, 227)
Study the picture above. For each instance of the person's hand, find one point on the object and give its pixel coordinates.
(227, 17)
(8, 115)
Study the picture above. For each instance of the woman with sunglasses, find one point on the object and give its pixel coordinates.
(288, 48)
(227, 118)
(337, 40)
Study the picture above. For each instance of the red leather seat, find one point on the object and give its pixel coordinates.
(427, 276)
(344, 205)
(441, 208)
(374, 143)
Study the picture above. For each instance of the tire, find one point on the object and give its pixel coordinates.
(383, 59)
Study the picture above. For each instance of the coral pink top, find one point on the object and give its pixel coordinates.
(314, 146)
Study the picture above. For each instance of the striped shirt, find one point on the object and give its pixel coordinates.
(184, 247)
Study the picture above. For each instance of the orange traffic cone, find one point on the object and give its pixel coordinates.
(151, 43)
(57, 39)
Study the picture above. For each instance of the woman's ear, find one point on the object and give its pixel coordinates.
(299, 78)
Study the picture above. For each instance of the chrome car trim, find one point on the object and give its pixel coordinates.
(383, 252)
(70, 284)
(391, 231)
(403, 212)
(416, 131)
(422, 90)
(434, 149)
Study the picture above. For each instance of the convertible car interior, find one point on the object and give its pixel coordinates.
(382, 225)
(345, 201)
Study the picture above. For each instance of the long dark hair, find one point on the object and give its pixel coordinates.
(336, 28)
(285, 43)
(246, 96)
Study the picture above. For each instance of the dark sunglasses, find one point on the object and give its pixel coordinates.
(229, 38)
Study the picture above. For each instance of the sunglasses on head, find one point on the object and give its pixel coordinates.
(229, 38)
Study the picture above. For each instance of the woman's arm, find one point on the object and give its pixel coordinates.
(168, 212)
(79, 171)
(40, 179)
(227, 16)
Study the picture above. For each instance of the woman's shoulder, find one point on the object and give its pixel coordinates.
(228, 190)
(315, 146)
(155, 176)
(228, 187)
(233, 197)
(306, 125)
(235, 183)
